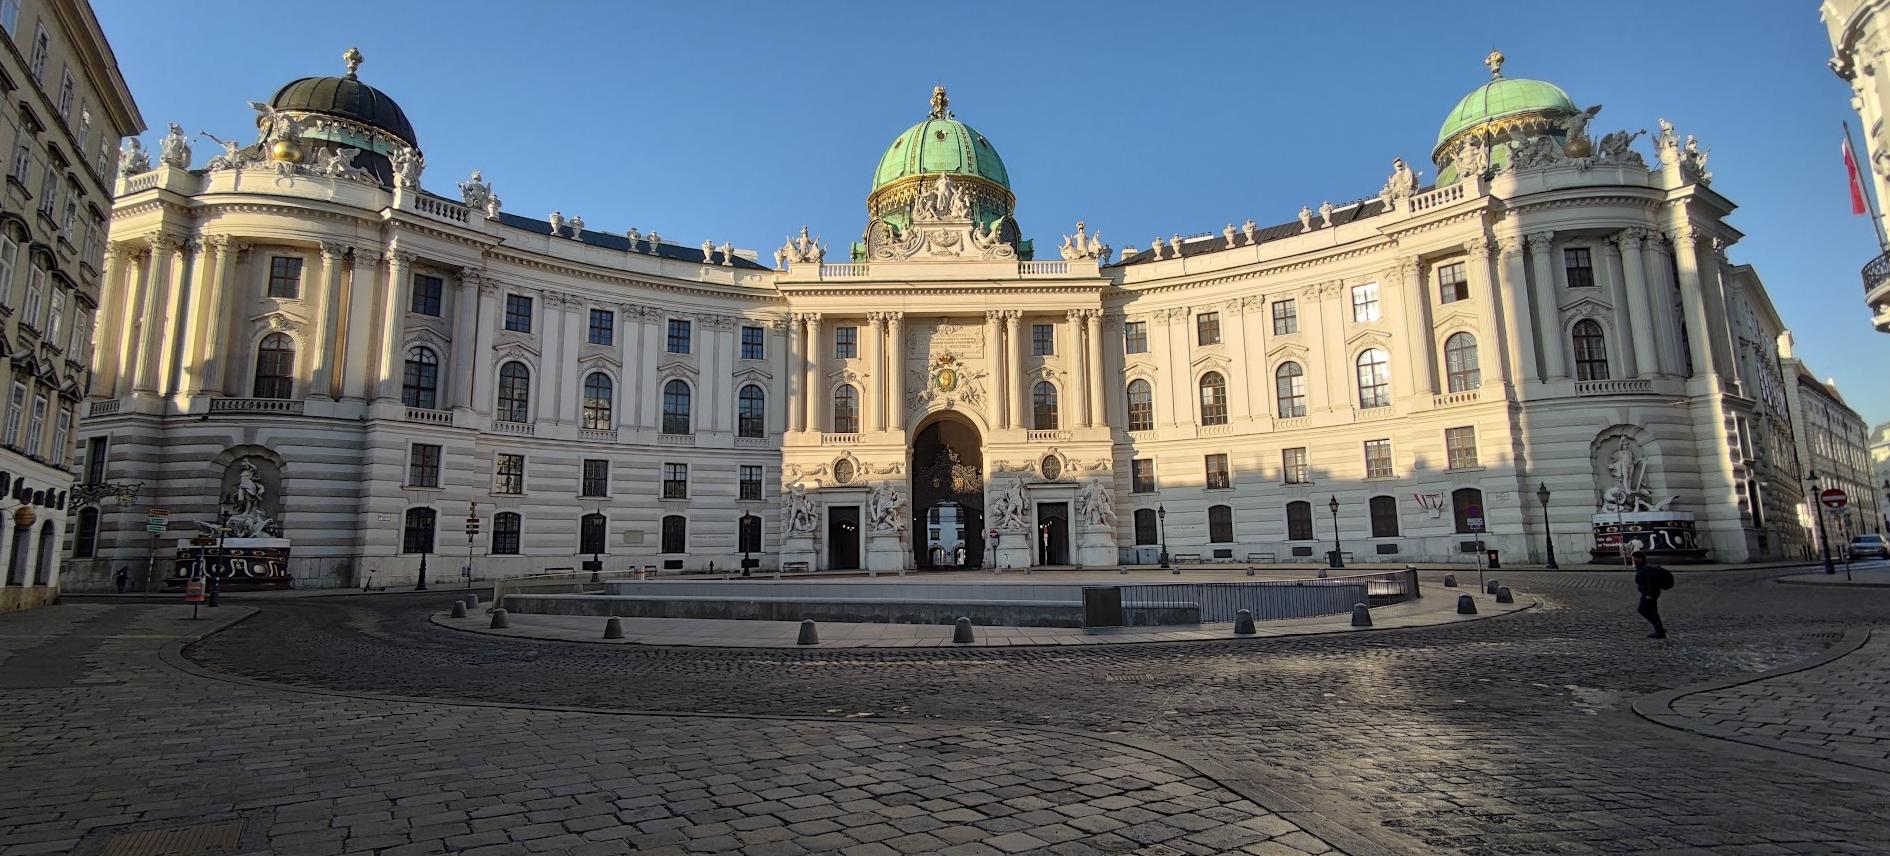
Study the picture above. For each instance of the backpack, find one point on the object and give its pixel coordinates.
(1663, 578)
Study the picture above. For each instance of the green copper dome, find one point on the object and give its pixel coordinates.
(941, 143)
(1503, 97)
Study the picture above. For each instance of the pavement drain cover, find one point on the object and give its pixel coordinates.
(203, 839)
(1131, 679)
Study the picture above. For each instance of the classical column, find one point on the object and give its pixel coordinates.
(715, 375)
(1020, 385)
(109, 331)
(1686, 260)
(1638, 310)
(186, 283)
(153, 314)
(1492, 362)
(214, 357)
(460, 364)
(1341, 371)
(1417, 320)
(653, 321)
(896, 371)
(1548, 308)
(393, 318)
(811, 386)
(793, 373)
(876, 391)
(130, 329)
(486, 327)
(323, 353)
(1513, 282)
(1078, 388)
(1092, 332)
(997, 352)
(1395, 313)
(356, 358)
(561, 338)
(630, 388)
(1660, 295)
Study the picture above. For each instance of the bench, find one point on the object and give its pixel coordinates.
(1187, 558)
(1255, 558)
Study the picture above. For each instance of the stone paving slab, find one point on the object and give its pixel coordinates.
(1440, 607)
(99, 739)
(1876, 577)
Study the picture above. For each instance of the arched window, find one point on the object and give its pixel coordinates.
(1466, 504)
(1141, 406)
(1299, 521)
(506, 527)
(748, 533)
(1145, 527)
(515, 393)
(1289, 383)
(1043, 406)
(1213, 399)
(676, 407)
(846, 410)
(420, 381)
(675, 534)
(1221, 524)
(751, 412)
(599, 394)
(1374, 379)
(591, 538)
(417, 535)
(1384, 517)
(1461, 371)
(1591, 351)
(275, 367)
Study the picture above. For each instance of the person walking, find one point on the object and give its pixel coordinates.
(1651, 580)
(122, 579)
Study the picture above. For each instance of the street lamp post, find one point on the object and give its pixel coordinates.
(1548, 536)
(421, 584)
(743, 535)
(1161, 521)
(1335, 560)
(1817, 509)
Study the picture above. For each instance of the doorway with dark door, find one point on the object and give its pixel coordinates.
(1053, 533)
(948, 494)
(843, 537)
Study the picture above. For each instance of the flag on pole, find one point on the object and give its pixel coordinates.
(1857, 182)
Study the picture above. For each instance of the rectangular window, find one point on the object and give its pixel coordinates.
(846, 343)
(1135, 337)
(675, 481)
(55, 315)
(1207, 328)
(423, 465)
(42, 45)
(81, 335)
(508, 474)
(1384, 517)
(1219, 477)
(753, 347)
(596, 478)
(1142, 475)
(506, 531)
(518, 313)
(10, 15)
(9, 253)
(678, 336)
(1293, 468)
(285, 277)
(417, 535)
(1378, 459)
(1285, 316)
(22, 163)
(1460, 446)
(49, 190)
(1451, 284)
(603, 328)
(425, 299)
(36, 429)
(1299, 521)
(35, 292)
(1147, 527)
(1365, 303)
(750, 482)
(1043, 339)
(675, 534)
(65, 95)
(95, 449)
(1581, 271)
(61, 438)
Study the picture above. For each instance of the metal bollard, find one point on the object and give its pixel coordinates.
(1503, 595)
(472, 600)
(1125, 570)
(1450, 581)
(1361, 615)
(1176, 571)
(1492, 587)
(498, 620)
(459, 609)
(809, 636)
(1250, 572)
(1322, 573)
(613, 628)
(961, 631)
(1243, 623)
(1466, 605)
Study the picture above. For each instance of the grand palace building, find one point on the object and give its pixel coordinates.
(303, 350)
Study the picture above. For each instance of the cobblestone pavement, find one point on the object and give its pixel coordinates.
(1839, 711)
(100, 740)
(1510, 735)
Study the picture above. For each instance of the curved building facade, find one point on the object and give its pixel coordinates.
(346, 367)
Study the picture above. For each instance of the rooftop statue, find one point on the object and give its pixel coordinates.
(577, 227)
(1227, 234)
(940, 103)
(1305, 218)
(233, 156)
(1576, 143)
(1616, 147)
(407, 167)
(728, 254)
(475, 191)
(174, 151)
(1247, 230)
(1473, 158)
(133, 159)
(1325, 213)
(557, 223)
(708, 252)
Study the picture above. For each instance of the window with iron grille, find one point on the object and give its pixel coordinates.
(846, 342)
(753, 344)
(750, 482)
(425, 299)
(1460, 447)
(1578, 266)
(1378, 459)
(1452, 286)
(1299, 521)
(508, 474)
(1141, 405)
(675, 481)
(1293, 466)
(1384, 517)
(1147, 531)
(603, 328)
(678, 336)
(285, 277)
(423, 465)
(1219, 476)
(596, 478)
(1220, 524)
(675, 534)
(1207, 328)
(518, 313)
(1285, 317)
(507, 526)
(1135, 337)
(417, 534)
(1043, 339)
(1142, 475)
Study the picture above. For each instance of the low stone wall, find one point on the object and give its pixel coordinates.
(1004, 613)
(14, 598)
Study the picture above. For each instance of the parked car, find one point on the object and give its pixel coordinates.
(1870, 547)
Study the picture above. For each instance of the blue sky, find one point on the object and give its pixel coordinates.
(743, 122)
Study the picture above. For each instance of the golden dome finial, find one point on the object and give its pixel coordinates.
(940, 103)
(1495, 63)
(352, 57)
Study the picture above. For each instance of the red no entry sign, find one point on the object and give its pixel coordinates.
(1833, 499)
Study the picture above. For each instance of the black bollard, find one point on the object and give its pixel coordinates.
(1243, 623)
(809, 635)
(613, 628)
(1361, 615)
(1250, 572)
(459, 609)
(1322, 573)
(1491, 587)
(1450, 581)
(1466, 605)
(1503, 595)
(498, 620)
(961, 631)
(472, 600)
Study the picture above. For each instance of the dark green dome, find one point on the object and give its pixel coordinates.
(346, 98)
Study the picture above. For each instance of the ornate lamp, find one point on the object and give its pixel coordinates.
(1548, 535)
(1337, 559)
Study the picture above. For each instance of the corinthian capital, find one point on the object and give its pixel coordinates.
(332, 251)
(1477, 246)
(1509, 245)
(1539, 242)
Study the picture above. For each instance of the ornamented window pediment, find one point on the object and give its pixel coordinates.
(423, 336)
(1287, 350)
(846, 375)
(1368, 338)
(1588, 307)
(1457, 321)
(752, 373)
(675, 368)
(1210, 361)
(517, 351)
(279, 321)
(599, 360)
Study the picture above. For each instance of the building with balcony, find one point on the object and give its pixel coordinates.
(1834, 451)
(1858, 41)
(300, 337)
(67, 109)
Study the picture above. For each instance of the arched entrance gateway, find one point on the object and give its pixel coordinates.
(948, 494)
